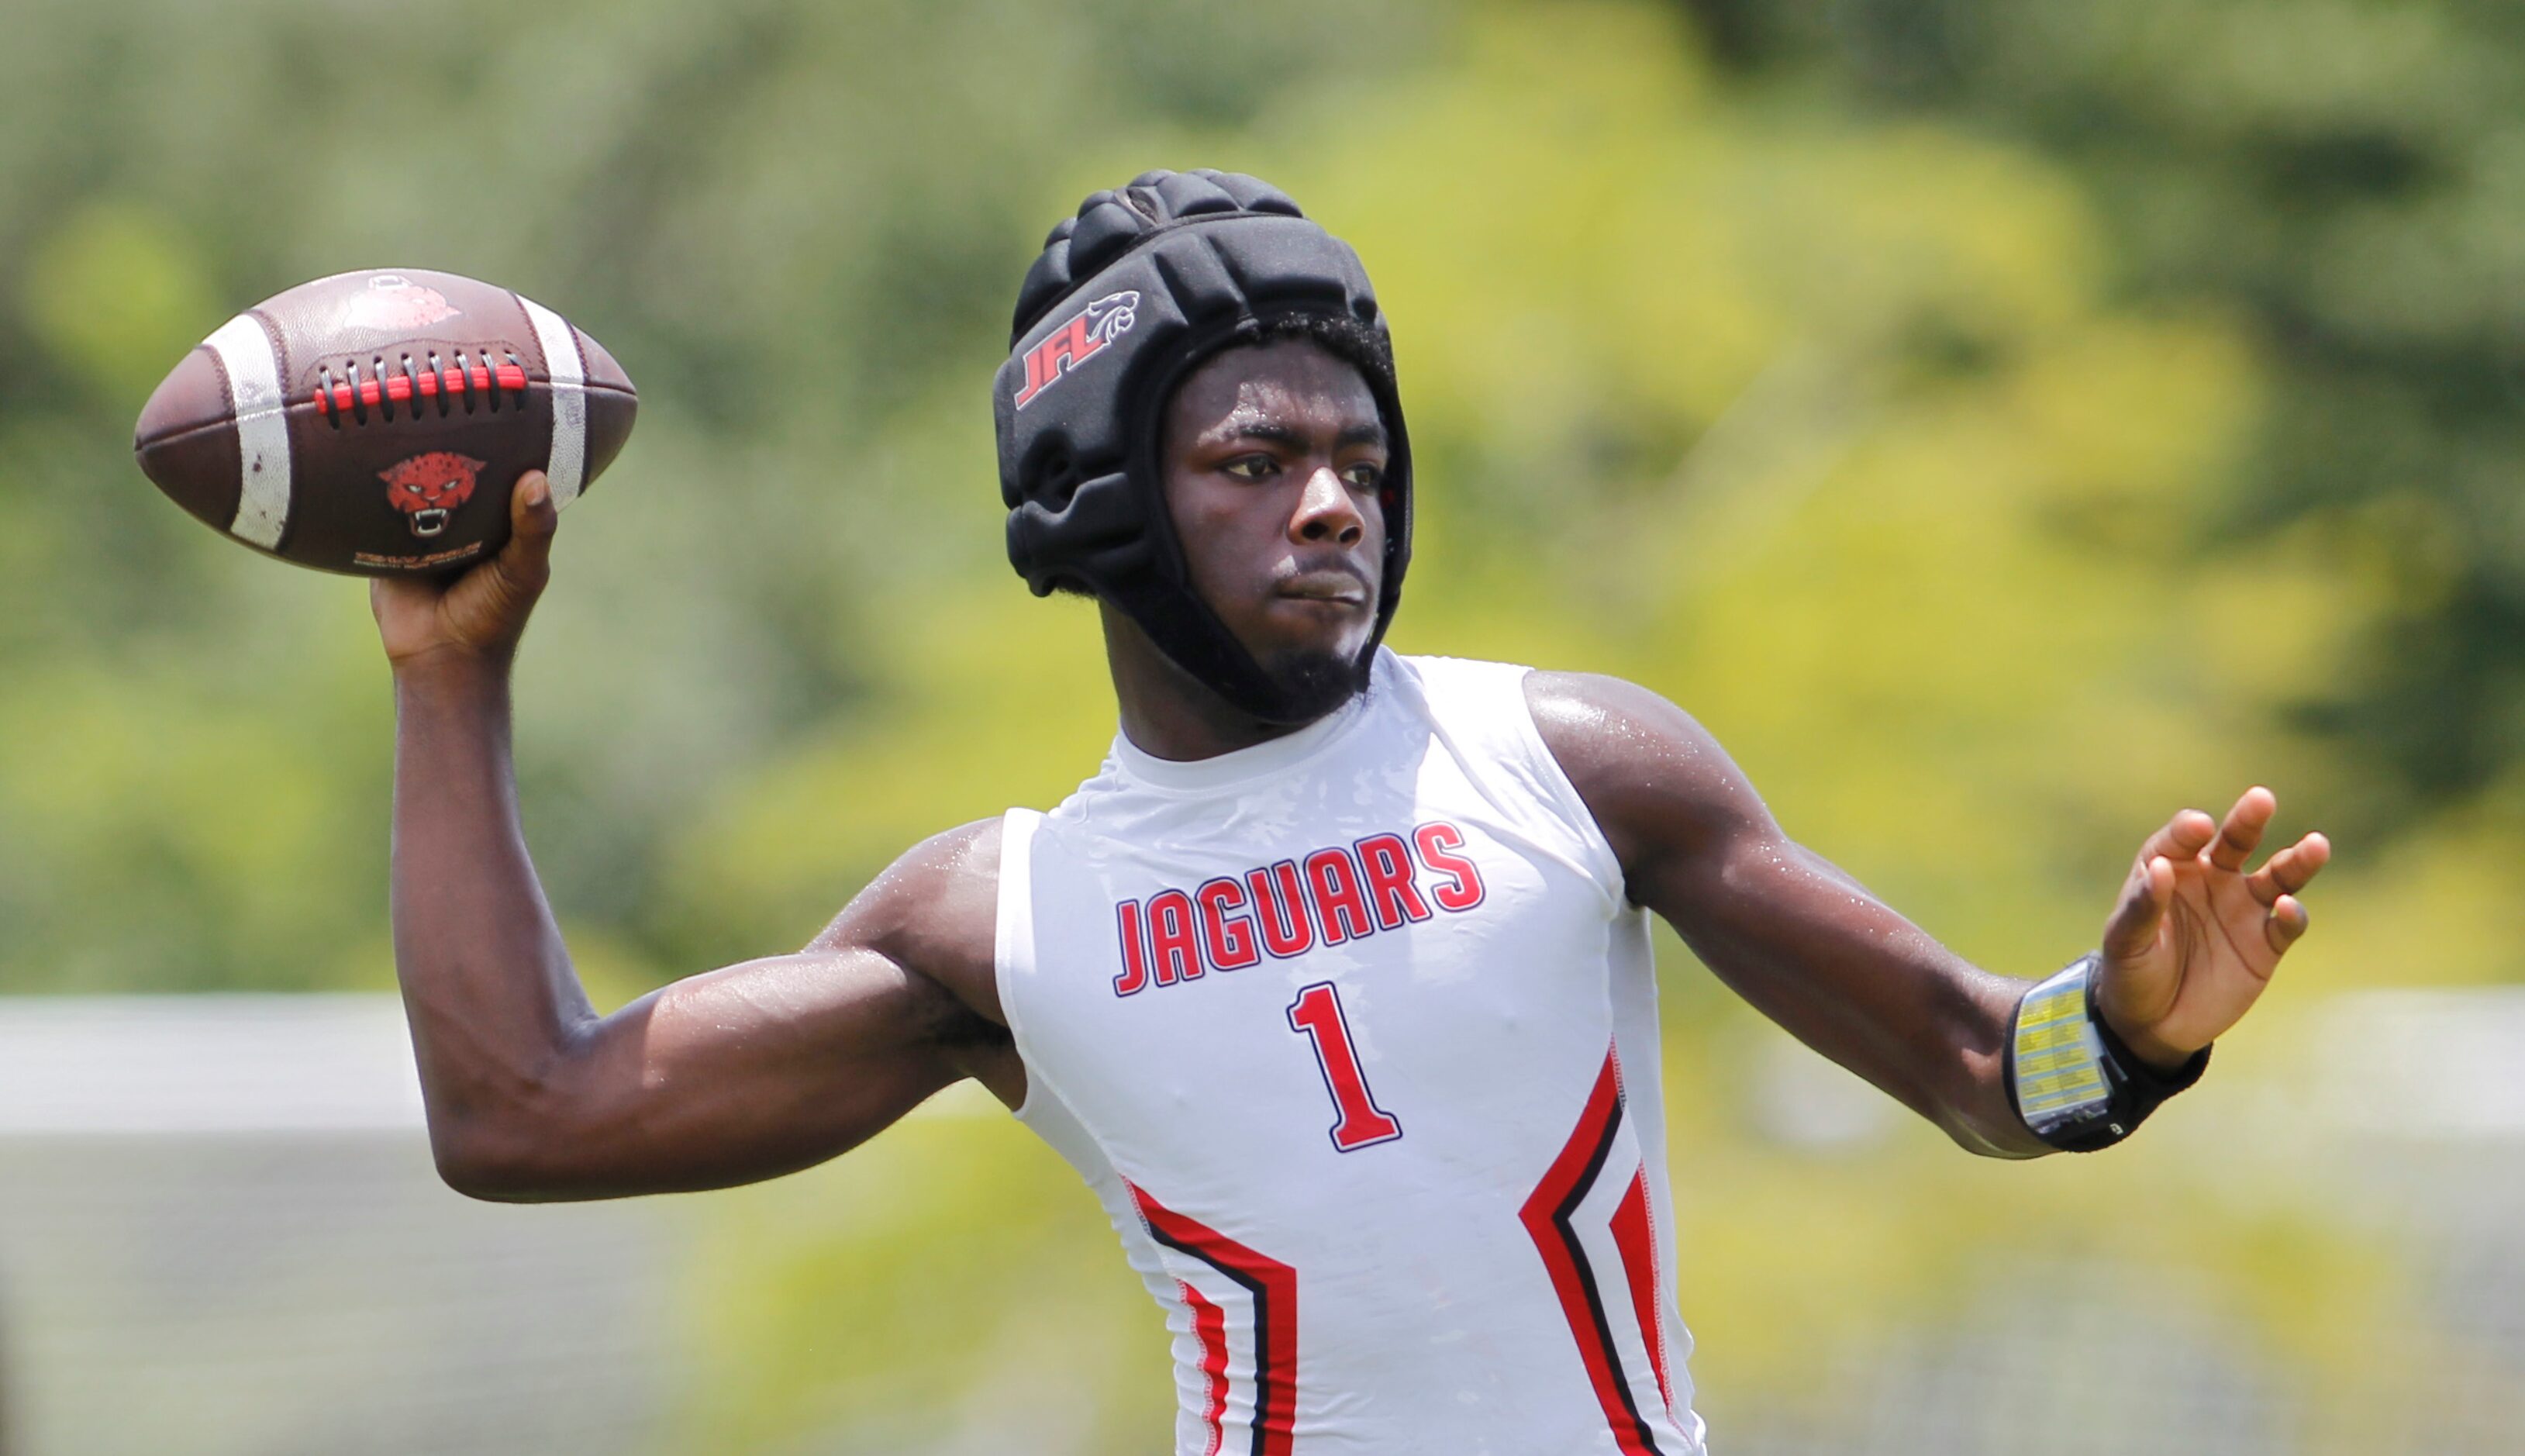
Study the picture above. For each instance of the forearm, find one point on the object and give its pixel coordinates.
(1858, 983)
(2191, 945)
(1803, 942)
(493, 1002)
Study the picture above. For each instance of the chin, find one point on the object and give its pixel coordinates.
(1318, 679)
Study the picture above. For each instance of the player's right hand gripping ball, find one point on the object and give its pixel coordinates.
(373, 423)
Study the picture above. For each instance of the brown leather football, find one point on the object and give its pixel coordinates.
(375, 422)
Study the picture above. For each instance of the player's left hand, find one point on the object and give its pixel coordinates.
(2195, 938)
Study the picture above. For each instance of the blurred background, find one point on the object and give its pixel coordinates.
(2002, 422)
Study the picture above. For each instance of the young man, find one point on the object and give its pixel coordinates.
(1334, 982)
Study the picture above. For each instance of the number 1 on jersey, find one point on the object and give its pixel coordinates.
(1317, 1011)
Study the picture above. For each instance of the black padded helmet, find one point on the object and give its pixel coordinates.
(1142, 286)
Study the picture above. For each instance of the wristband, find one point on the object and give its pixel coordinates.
(2075, 1083)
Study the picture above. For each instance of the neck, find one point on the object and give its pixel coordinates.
(1167, 712)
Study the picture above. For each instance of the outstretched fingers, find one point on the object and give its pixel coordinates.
(2288, 871)
(2182, 838)
(2149, 891)
(2286, 922)
(2242, 830)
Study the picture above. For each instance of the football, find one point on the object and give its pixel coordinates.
(375, 422)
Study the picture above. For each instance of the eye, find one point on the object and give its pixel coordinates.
(1251, 467)
(1364, 476)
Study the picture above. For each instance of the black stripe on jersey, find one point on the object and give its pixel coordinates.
(1262, 1352)
(1562, 1223)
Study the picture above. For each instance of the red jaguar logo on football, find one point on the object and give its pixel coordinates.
(1074, 342)
(396, 304)
(426, 487)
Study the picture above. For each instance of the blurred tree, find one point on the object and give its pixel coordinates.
(789, 221)
(2349, 179)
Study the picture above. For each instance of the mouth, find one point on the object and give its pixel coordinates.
(1330, 586)
(429, 522)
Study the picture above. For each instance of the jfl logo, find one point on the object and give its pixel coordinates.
(1075, 342)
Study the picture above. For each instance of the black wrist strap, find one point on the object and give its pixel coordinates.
(2075, 1083)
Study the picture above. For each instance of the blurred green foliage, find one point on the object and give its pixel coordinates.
(2344, 179)
(2003, 425)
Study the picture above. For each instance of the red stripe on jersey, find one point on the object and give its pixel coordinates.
(1635, 1235)
(1273, 1288)
(1210, 1327)
(1546, 1215)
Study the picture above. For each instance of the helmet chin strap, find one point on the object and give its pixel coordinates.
(1294, 706)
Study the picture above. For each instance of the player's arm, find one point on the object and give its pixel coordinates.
(741, 1074)
(2187, 949)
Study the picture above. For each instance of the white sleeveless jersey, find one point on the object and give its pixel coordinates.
(1355, 1034)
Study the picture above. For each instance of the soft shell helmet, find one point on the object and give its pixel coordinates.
(1132, 293)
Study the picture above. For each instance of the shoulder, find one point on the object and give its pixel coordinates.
(1587, 719)
(945, 879)
(1595, 718)
(1593, 722)
(1655, 781)
(934, 912)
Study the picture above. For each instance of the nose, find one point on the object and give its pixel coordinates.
(1325, 511)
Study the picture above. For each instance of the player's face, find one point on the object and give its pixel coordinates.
(1274, 456)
